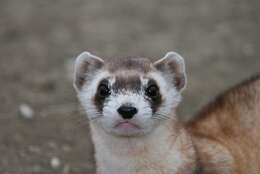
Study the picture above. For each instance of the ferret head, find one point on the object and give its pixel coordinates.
(129, 97)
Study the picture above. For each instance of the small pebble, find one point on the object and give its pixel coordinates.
(55, 162)
(26, 111)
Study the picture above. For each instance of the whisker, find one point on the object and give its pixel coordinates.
(161, 116)
(95, 118)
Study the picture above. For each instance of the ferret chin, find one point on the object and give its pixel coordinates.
(131, 103)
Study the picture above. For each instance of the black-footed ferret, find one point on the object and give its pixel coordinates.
(131, 106)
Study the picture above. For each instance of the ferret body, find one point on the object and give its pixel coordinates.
(131, 106)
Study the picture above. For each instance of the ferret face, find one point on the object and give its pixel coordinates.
(130, 97)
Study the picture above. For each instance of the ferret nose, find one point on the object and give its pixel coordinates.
(127, 112)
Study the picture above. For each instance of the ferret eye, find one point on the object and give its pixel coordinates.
(103, 91)
(152, 91)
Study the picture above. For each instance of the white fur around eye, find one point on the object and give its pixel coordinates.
(144, 81)
(88, 92)
(170, 94)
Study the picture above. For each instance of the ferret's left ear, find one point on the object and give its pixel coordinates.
(173, 66)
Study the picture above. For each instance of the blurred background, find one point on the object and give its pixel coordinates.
(42, 127)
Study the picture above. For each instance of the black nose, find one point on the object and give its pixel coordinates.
(127, 112)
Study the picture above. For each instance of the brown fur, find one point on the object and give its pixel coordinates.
(226, 133)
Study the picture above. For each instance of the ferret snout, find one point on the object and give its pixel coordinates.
(127, 112)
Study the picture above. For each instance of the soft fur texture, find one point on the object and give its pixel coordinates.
(226, 133)
(223, 138)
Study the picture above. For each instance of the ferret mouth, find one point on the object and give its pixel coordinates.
(127, 128)
(126, 125)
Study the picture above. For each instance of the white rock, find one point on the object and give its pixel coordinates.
(55, 162)
(26, 111)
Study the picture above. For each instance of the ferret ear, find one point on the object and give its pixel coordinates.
(173, 66)
(85, 64)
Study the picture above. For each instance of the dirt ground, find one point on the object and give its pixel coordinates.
(38, 39)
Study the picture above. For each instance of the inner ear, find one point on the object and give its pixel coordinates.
(173, 66)
(85, 65)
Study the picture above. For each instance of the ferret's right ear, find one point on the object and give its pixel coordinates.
(85, 65)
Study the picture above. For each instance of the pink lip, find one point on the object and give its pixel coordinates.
(126, 125)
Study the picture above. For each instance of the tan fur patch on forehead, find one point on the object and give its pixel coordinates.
(126, 81)
(137, 64)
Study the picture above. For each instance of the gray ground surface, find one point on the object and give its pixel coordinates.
(218, 39)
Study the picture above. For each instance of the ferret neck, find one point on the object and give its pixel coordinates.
(168, 149)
